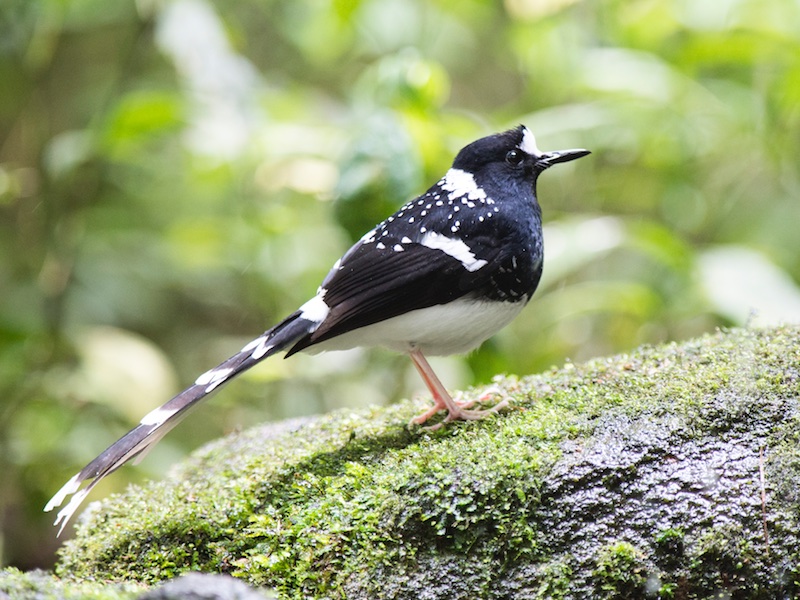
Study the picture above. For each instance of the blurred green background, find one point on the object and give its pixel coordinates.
(177, 176)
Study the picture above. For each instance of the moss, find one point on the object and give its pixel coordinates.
(620, 572)
(637, 447)
(38, 585)
(727, 559)
(554, 581)
(669, 548)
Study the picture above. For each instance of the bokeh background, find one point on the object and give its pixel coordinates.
(175, 176)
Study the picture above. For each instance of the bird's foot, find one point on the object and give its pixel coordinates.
(423, 417)
(468, 415)
(487, 395)
(457, 409)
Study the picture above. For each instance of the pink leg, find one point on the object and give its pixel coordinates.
(442, 400)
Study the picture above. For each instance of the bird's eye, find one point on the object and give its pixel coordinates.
(514, 158)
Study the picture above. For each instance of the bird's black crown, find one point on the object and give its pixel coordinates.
(492, 148)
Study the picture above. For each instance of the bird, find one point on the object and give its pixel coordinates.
(440, 276)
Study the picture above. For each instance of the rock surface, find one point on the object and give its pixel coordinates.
(672, 472)
(203, 586)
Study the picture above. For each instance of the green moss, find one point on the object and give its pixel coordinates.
(38, 585)
(554, 582)
(355, 504)
(620, 572)
(669, 548)
(725, 559)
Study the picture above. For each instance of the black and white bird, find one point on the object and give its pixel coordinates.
(438, 277)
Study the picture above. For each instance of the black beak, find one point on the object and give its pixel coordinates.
(548, 159)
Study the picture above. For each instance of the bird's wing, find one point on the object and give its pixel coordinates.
(374, 282)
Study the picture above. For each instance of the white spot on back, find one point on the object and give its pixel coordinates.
(453, 247)
(460, 183)
(315, 310)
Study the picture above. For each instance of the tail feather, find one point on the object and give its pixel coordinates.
(138, 441)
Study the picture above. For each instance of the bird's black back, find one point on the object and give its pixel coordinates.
(484, 203)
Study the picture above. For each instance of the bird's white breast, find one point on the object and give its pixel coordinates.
(454, 328)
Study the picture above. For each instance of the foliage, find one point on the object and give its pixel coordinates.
(175, 176)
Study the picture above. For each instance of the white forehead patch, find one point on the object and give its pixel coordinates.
(528, 144)
(453, 247)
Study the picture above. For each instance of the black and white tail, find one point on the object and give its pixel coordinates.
(139, 440)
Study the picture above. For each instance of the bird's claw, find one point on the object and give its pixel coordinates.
(459, 410)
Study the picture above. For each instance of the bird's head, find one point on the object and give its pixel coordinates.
(511, 154)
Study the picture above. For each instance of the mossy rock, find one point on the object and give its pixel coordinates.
(672, 472)
(41, 585)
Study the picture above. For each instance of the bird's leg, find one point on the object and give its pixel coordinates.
(442, 399)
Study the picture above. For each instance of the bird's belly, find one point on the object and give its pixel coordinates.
(454, 328)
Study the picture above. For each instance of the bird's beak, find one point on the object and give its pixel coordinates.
(548, 159)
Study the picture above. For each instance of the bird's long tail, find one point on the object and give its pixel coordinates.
(139, 440)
